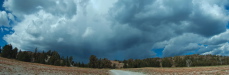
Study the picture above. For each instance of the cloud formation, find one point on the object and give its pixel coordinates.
(120, 29)
(4, 19)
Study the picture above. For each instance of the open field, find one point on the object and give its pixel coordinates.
(212, 70)
(15, 67)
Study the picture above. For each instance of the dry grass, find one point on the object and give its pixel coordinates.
(15, 67)
(214, 70)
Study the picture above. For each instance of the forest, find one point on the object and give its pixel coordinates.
(53, 58)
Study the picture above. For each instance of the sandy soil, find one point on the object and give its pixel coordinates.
(211, 70)
(15, 67)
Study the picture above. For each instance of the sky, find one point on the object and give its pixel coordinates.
(117, 29)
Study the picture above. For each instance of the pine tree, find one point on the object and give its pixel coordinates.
(114, 66)
(166, 62)
(179, 62)
(106, 63)
(7, 51)
(70, 61)
(0, 49)
(82, 64)
(35, 56)
(41, 58)
(93, 62)
(54, 57)
(67, 61)
(14, 53)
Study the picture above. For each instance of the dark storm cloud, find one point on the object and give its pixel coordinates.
(120, 29)
(56, 7)
(182, 15)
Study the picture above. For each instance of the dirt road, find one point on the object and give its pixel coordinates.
(120, 72)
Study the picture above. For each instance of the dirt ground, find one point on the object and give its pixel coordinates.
(210, 70)
(15, 67)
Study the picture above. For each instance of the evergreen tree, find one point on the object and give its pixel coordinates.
(82, 64)
(19, 56)
(35, 56)
(0, 49)
(14, 53)
(7, 51)
(24, 56)
(166, 62)
(54, 57)
(114, 66)
(70, 61)
(41, 58)
(179, 62)
(67, 61)
(125, 64)
(79, 64)
(62, 61)
(106, 63)
(93, 62)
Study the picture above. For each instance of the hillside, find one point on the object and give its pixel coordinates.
(15, 67)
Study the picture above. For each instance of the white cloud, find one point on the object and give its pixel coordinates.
(182, 44)
(4, 19)
(89, 31)
(221, 49)
(60, 39)
(218, 39)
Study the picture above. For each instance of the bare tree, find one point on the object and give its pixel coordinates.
(220, 60)
(188, 62)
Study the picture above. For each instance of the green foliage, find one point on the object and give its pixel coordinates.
(179, 62)
(14, 53)
(99, 63)
(41, 57)
(166, 62)
(24, 56)
(93, 62)
(7, 51)
(50, 57)
(114, 66)
(53, 58)
(0, 49)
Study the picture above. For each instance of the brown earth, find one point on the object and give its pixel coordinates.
(210, 70)
(15, 67)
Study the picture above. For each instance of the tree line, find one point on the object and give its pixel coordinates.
(53, 58)
(178, 61)
(50, 57)
(99, 63)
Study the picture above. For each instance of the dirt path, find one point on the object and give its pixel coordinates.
(121, 72)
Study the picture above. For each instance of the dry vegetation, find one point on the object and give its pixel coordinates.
(212, 70)
(15, 67)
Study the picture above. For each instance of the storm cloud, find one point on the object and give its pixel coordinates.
(120, 29)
